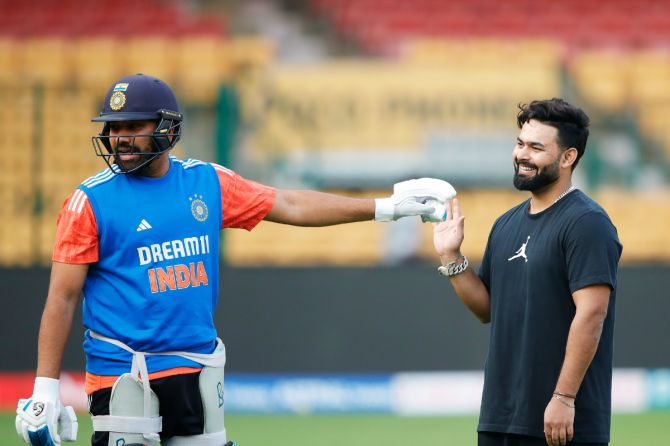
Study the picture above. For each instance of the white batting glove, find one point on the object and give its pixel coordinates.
(40, 418)
(423, 196)
(68, 424)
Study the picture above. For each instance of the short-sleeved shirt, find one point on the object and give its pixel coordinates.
(152, 245)
(532, 265)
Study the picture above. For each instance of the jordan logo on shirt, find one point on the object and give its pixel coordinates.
(521, 252)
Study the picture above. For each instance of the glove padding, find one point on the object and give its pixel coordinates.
(423, 196)
(68, 424)
(41, 422)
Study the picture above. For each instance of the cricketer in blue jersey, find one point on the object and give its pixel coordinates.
(547, 284)
(140, 242)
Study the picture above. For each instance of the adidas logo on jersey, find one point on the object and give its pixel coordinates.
(143, 226)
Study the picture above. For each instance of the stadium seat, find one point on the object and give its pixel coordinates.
(76, 18)
(602, 78)
(650, 77)
(69, 130)
(98, 61)
(151, 55)
(251, 52)
(381, 25)
(202, 65)
(653, 120)
(630, 212)
(9, 59)
(46, 61)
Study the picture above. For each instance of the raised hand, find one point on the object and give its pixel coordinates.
(448, 235)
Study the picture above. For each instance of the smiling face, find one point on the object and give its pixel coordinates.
(536, 157)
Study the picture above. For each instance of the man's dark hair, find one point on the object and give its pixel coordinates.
(570, 121)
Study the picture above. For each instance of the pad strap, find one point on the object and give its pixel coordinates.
(215, 439)
(133, 425)
(139, 367)
(214, 359)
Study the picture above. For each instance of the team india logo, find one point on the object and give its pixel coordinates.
(198, 208)
(117, 101)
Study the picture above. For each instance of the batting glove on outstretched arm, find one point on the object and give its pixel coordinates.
(41, 420)
(425, 197)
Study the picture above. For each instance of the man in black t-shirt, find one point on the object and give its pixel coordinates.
(547, 284)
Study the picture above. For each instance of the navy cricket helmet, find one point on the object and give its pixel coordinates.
(139, 98)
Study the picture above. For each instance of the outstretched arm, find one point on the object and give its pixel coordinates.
(312, 208)
(448, 237)
(423, 196)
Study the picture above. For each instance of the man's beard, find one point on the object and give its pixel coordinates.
(540, 180)
(138, 166)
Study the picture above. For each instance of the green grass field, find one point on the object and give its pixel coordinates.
(648, 429)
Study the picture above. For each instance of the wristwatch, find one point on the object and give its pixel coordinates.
(454, 267)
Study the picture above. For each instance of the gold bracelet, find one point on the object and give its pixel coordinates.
(559, 398)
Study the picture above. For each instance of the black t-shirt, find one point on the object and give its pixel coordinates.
(532, 265)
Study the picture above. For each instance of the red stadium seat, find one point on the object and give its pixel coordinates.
(384, 24)
(122, 18)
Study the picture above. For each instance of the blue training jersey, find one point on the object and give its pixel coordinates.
(155, 284)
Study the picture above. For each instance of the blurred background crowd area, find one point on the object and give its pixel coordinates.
(342, 95)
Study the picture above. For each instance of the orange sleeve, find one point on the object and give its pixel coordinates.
(244, 203)
(76, 231)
